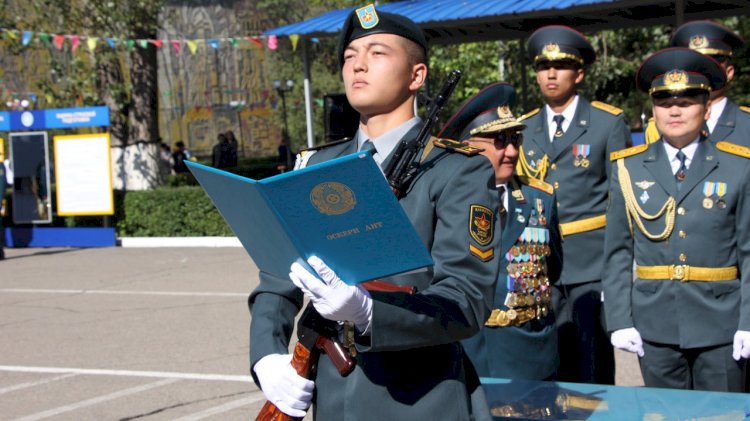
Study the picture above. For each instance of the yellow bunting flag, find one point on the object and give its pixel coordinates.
(91, 43)
(193, 46)
(294, 39)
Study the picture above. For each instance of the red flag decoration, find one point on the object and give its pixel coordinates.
(58, 41)
(157, 42)
(75, 40)
(256, 41)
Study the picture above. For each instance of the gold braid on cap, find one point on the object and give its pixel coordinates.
(551, 52)
(524, 168)
(634, 212)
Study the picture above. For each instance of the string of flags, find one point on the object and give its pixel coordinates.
(193, 45)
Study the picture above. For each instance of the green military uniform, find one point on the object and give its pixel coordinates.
(575, 162)
(411, 366)
(519, 340)
(691, 246)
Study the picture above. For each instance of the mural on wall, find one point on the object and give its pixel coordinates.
(224, 86)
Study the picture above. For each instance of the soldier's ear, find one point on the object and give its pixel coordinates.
(580, 73)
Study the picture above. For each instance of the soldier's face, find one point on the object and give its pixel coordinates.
(502, 151)
(378, 76)
(680, 119)
(558, 79)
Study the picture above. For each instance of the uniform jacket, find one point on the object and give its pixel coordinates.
(733, 125)
(528, 351)
(412, 365)
(688, 314)
(581, 192)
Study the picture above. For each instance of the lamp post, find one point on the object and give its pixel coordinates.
(281, 89)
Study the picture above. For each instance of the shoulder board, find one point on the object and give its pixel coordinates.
(537, 184)
(529, 114)
(456, 146)
(745, 109)
(325, 145)
(624, 153)
(733, 149)
(606, 107)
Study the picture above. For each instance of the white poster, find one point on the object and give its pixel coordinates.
(83, 175)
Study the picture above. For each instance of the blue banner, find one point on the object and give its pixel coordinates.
(56, 118)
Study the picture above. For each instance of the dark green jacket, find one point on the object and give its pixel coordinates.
(581, 192)
(412, 365)
(688, 314)
(528, 351)
(733, 125)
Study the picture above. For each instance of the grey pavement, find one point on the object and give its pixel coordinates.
(133, 334)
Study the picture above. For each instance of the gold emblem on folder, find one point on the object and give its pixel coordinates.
(332, 198)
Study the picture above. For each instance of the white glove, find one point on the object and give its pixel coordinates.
(741, 345)
(628, 339)
(281, 384)
(332, 298)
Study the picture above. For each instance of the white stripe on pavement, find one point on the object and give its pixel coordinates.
(128, 373)
(36, 383)
(99, 399)
(105, 292)
(222, 408)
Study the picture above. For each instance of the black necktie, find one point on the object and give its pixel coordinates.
(559, 120)
(680, 174)
(501, 207)
(368, 146)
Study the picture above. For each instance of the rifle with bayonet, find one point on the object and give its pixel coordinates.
(317, 334)
(404, 164)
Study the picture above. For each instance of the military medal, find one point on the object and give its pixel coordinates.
(721, 190)
(584, 151)
(709, 187)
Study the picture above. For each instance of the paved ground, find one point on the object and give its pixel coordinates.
(133, 334)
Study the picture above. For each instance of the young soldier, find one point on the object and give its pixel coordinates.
(727, 121)
(679, 208)
(409, 362)
(567, 144)
(519, 340)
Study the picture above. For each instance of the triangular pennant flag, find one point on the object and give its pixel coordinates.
(75, 40)
(45, 38)
(176, 44)
(112, 43)
(130, 43)
(214, 43)
(91, 43)
(11, 34)
(193, 46)
(143, 43)
(255, 41)
(294, 39)
(234, 41)
(156, 42)
(272, 42)
(26, 38)
(58, 41)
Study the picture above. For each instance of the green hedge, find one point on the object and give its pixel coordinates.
(170, 212)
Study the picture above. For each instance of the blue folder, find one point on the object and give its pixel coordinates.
(341, 210)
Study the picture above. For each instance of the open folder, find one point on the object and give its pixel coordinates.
(341, 210)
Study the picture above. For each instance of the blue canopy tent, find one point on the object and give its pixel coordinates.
(457, 21)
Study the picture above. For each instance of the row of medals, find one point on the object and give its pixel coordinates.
(531, 294)
(708, 203)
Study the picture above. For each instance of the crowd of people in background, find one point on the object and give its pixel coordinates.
(223, 155)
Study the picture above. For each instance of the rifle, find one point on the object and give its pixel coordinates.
(404, 163)
(317, 334)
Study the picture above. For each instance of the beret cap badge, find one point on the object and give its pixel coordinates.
(368, 17)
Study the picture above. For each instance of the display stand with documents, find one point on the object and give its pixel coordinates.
(341, 210)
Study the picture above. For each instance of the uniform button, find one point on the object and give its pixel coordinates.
(683, 257)
(681, 210)
(683, 234)
(553, 166)
(557, 185)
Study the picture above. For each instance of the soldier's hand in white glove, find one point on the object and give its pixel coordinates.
(628, 339)
(281, 384)
(741, 345)
(333, 298)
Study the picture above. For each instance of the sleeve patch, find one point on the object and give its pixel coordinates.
(481, 224)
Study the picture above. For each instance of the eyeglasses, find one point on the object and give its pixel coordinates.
(502, 139)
